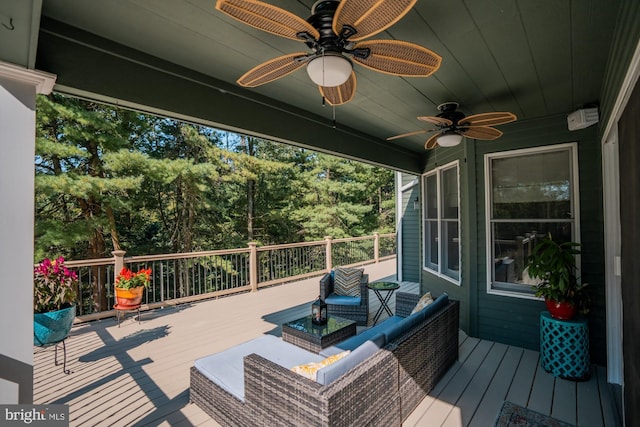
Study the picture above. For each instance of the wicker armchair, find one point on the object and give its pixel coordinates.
(358, 313)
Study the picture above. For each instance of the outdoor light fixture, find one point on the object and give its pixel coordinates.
(329, 69)
(319, 312)
(449, 139)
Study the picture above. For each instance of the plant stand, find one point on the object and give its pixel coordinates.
(52, 328)
(64, 360)
(564, 347)
(122, 309)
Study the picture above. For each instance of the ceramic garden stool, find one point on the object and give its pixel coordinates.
(564, 347)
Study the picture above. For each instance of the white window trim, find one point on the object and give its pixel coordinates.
(437, 172)
(575, 176)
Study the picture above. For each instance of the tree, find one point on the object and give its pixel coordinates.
(74, 192)
(108, 178)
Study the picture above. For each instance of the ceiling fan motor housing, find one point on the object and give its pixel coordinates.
(448, 110)
(321, 19)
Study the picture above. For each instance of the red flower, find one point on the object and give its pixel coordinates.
(127, 279)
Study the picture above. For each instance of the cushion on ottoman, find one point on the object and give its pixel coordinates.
(226, 369)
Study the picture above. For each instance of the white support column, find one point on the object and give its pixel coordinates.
(18, 89)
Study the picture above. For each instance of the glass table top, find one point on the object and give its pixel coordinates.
(383, 286)
(334, 323)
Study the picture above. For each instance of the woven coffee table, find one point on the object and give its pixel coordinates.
(303, 333)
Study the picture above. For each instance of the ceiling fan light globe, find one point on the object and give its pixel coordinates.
(449, 139)
(329, 70)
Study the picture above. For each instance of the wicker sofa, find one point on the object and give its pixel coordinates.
(344, 306)
(382, 390)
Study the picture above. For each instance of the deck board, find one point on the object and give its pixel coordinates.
(497, 390)
(522, 382)
(541, 396)
(564, 401)
(138, 374)
(477, 387)
(588, 401)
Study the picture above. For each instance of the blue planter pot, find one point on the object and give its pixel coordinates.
(52, 327)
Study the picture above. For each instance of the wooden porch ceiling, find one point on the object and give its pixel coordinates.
(138, 374)
(536, 59)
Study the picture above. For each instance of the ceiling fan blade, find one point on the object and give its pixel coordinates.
(481, 132)
(489, 119)
(415, 132)
(272, 70)
(431, 142)
(369, 17)
(342, 94)
(399, 58)
(440, 121)
(267, 18)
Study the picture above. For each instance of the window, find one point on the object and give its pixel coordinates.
(442, 221)
(530, 193)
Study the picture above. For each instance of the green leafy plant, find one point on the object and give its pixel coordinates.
(554, 264)
(127, 279)
(54, 286)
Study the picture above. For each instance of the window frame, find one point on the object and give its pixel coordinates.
(516, 290)
(438, 269)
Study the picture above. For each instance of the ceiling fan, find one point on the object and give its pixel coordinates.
(452, 125)
(334, 33)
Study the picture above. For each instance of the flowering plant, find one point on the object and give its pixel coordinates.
(53, 286)
(127, 279)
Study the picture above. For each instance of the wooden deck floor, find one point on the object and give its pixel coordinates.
(138, 374)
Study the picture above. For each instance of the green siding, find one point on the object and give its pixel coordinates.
(431, 282)
(410, 223)
(515, 321)
(510, 320)
(625, 41)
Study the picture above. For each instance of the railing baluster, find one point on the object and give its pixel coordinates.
(192, 274)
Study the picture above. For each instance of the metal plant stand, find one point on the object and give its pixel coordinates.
(121, 309)
(64, 360)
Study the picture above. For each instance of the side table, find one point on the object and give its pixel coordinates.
(377, 287)
(564, 347)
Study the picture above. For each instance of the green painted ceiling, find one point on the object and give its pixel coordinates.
(533, 58)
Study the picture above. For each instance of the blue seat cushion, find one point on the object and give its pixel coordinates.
(334, 299)
(355, 341)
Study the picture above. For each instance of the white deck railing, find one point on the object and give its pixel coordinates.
(185, 277)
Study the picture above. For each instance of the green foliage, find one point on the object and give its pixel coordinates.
(110, 179)
(53, 286)
(554, 264)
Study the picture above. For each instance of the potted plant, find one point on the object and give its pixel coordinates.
(53, 301)
(554, 264)
(130, 286)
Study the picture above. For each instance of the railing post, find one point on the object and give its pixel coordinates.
(376, 247)
(327, 250)
(118, 257)
(253, 266)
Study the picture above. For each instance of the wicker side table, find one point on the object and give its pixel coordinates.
(303, 333)
(564, 347)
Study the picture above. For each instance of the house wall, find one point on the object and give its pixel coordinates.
(623, 46)
(629, 146)
(431, 282)
(509, 320)
(410, 229)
